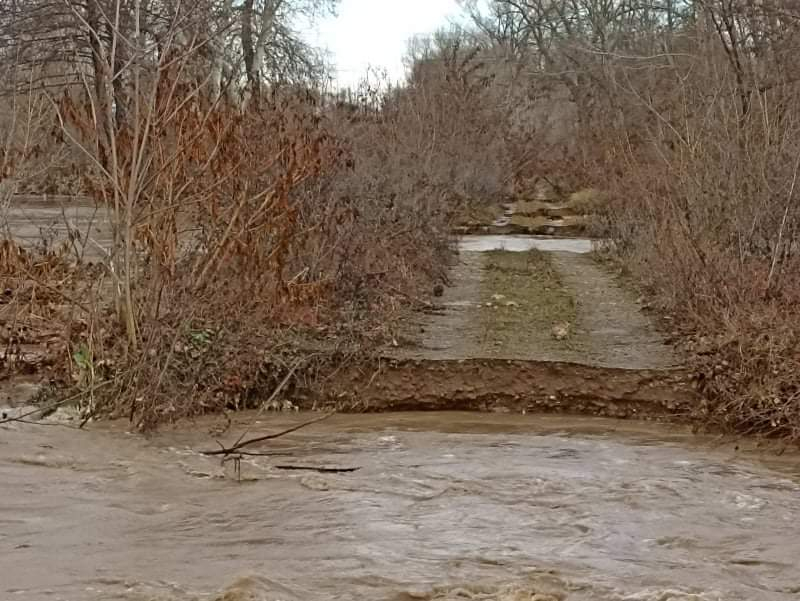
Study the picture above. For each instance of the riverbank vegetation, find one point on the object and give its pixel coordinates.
(261, 224)
(685, 115)
(262, 221)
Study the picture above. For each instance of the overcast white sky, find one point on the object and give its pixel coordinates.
(376, 32)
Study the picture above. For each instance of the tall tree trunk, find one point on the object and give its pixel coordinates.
(251, 68)
(218, 54)
(101, 80)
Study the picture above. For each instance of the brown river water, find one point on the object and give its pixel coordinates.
(443, 506)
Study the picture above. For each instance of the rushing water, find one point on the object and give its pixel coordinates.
(444, 505)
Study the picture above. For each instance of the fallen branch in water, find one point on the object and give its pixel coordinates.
(264, 454)
(322, 470)
(270, 399)
(243, 443)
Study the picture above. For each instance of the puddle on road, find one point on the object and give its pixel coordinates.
(31, 219)
(444, 506)
(524, 243)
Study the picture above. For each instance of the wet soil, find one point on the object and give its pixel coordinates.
(526, 305)
(441, 506)
(486, 315)
(606, 327)
(521, 333)
(611, 325)
(447, 329)
(506, 386)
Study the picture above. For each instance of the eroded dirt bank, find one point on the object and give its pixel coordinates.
(526, 324)
(507, 386)
(522, 330)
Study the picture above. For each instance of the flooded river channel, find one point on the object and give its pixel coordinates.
(443, 506)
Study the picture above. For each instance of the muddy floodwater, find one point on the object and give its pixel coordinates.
(443, 506)
(523, 243)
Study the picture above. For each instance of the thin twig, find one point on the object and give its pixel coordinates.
(235, 448)
(55, 405)
(272, 396)
(58, 424)
(264, 454)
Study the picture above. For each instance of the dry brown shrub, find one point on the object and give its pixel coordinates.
(687, 116)
(290, 234)
(713, 235)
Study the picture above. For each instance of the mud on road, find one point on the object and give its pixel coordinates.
(524, 330)
(530, 300)
(537, 306)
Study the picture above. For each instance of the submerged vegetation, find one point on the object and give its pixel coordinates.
(265, 225)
